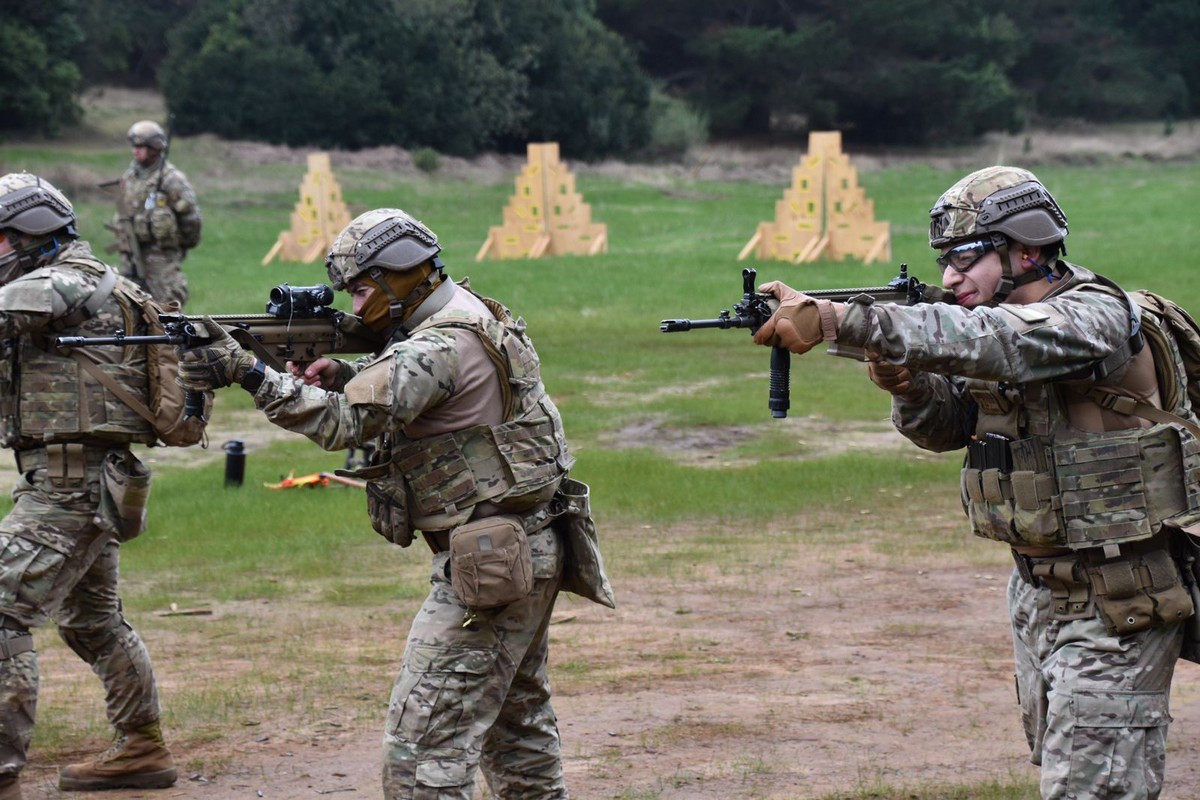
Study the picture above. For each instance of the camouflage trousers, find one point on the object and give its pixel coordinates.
(1094, 706)
(477, 693)
(55, 563)
(161, 274)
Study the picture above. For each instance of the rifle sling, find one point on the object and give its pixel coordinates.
(120, 391)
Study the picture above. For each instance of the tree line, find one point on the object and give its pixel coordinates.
(603, 77)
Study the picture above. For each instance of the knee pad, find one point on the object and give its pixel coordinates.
(89, 644)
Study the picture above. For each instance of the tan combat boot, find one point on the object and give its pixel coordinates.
(10, 788)
(138, 759)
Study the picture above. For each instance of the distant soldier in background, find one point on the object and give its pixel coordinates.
(79, 492)
(157, 219)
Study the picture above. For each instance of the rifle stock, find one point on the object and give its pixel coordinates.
(756, 308)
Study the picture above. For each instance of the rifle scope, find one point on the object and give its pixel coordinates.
(289, 301)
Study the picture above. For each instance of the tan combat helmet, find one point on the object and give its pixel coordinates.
(147, 133)
(32, 206)
(997, 204)
(383, 239)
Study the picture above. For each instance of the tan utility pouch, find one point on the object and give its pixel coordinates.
(490, 562)
(163, 227)
(1137, 591)
(124, 492)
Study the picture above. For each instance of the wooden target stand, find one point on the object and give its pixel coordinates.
(546, 216)
(317, 219)
(825, 213)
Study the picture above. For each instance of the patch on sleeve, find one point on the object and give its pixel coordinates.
(372, 386)
(1028, 315)
(29, 293)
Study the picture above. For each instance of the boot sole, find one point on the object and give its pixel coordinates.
(161, 779)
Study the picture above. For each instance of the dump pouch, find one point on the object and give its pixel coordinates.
(583, 573)
(490, 562)
(124, 492)
(387, 506)
(1187, 550)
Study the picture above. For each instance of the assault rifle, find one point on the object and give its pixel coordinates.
(299, 325)
(756, 308)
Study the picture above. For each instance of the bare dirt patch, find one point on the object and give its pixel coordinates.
(796, 673)
(717, 445)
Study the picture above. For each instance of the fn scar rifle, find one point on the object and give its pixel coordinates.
(299, 325)
(755, 308)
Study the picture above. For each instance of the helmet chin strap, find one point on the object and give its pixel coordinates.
(400, 308)
(1009, 282)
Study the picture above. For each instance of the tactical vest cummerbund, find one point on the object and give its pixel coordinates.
(46, 397)
(435, 482)
(454, 471)
(1083, 490)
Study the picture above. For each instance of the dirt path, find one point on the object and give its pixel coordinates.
(822, 671)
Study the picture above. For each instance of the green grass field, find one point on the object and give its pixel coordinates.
(595, 322)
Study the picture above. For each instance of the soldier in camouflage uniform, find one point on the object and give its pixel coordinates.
(467, 437)
(79, 492)
(157, 220)
(1076, 459)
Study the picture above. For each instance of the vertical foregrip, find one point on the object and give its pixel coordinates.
(781, 367)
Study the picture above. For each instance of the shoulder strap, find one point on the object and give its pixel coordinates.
(103, 291)
(1113, 400)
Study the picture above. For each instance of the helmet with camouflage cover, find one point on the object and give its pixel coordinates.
(995, 205)
(40, 214)
(1006, 200)
(147, 133)
(383, 239)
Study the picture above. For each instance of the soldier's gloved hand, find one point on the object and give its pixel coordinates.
(800, 322)
(220, 363)
(894, 378)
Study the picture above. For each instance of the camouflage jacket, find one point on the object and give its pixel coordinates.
(44, 395)
(165, 217)
(1064, 471)
(510, 455)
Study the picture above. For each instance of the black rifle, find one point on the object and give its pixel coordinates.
(756, 308)
(299, 325)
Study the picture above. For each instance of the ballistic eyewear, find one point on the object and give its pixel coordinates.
(964, 256)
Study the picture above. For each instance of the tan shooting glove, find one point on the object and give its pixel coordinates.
(800, 322)
(894, 378)
(220, 363)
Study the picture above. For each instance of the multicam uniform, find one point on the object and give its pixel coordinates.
(468, 432)
(1097, 624)
(59, 544)
(163, 221)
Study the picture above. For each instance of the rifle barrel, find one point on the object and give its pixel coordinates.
(108, 341)
(680, 325)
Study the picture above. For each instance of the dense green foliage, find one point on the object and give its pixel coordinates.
(917, 70)
(38, 82)
(463, 76)
(458, 75)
